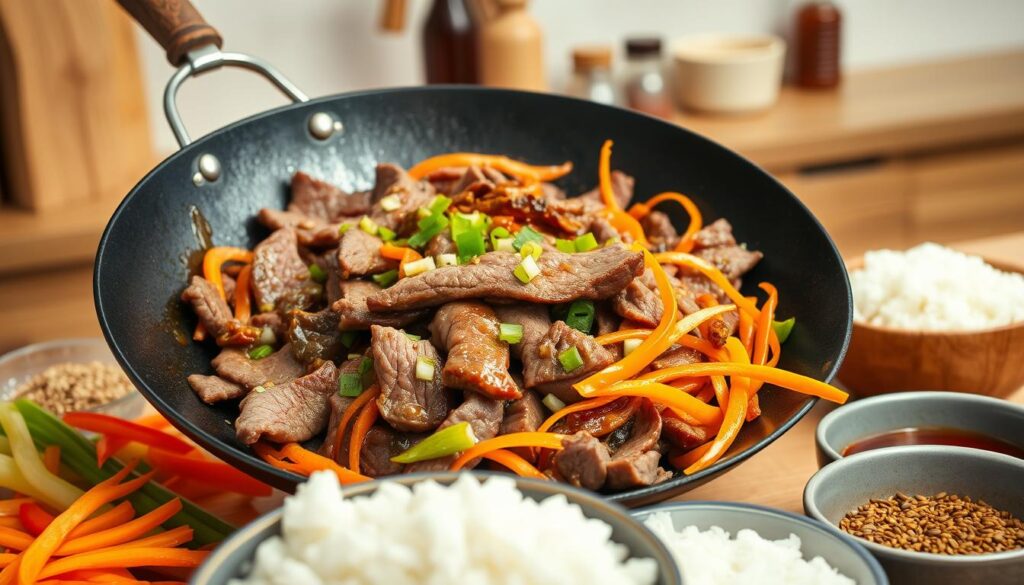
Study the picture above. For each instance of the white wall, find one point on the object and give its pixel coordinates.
(330, 46)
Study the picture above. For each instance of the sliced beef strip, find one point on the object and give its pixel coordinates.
(635, 462)
(603, 230)
(677, 356)
(659, 230)
(296, 411)
(535, 322)
(484, 416)
(323, 201)
(440, 244)
(523, 415)
(640, 301)
(354, 315)
(278, 273)
(552, 192)
(338, 405)
(622, 188)
(378, 448)
(646, 431)
(473, 177)
(564, 277)
(359, 255)
(213, 389)
(477, 359)
(733, 261)
(638, 470)
(309, 231)
(413, 194)
(583, 461)
(683, 435)
(213, 312)
(606, 319)
(278, 368)
(315, 336)
(274, 320)
(406, 402)
(713, 235)
(328, 262)
(543, 371)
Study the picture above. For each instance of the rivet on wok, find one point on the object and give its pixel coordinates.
(322, 125)
(209, 167)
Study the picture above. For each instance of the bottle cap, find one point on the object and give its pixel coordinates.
(592, 57)
(643, 46)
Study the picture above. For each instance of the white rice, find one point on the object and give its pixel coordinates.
(470, 533)
(933, 288)
(712, 558)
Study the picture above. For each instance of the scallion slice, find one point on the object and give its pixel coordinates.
(447, 260)
(630, 344)
(445, 442)
(531, 249)
(386, 279)
(413, 337)
(510, 332)
(527, 270)
(570, 359)
(586, 242)
(385, 234)
(499, 233)
(368, 225)
(391, 202)
(260, 351)
(470, 245)
(365, 371)
(317, 273)
(420, 266)
(267, 336)
(783, 328)
(439, 204)
(350, 385)
(527, 234)
(567, 246)
(504, 245)
(425, 368)
(553, 403)
(429, 226)
(581, 315)
(344, 228)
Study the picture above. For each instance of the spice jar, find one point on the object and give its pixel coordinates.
(512, 49)
(818, 28)
(592, 74)
(646, 90)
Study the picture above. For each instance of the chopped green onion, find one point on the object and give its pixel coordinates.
(386, 279)
(510, 332)
(267, 336)
(350, 385)
(553, 403)
(470, 245)
(368, 225)
(365, 371)
(468, 231)
(425, 368)
(783, 328)
(402, 243)
(527, 270)
(630, 344)
(386, 234)
(527, 235)
(413, 337)
(586, 242)
(439, 204)
(317, 273)
(531, 249)
(612, 241)
(581, 316)
(445, 442)
(499, 233)
(504, 245)
(348, 338)
(420, 266)
(259, 389)
(567, 246)
(570, 359)
(260, 351)
(429, 226)
(447, 260)
(391, 202)
(344, 228)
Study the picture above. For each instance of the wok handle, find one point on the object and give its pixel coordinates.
(175, 24)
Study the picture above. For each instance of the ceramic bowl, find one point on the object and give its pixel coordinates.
(841, 551)
(880, 414)
(731, 74)
(841, 487)
(231, 559)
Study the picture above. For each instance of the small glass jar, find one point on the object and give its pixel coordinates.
(646, 90)
(592, 75)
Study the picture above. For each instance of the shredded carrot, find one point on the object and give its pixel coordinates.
(215, 258)
(745, 330)
(684, 460)
(176, 536)
(309, 462)
(276, 458)
(682, 403)
(679, 336)
(514, 463)
(735, 413)
(115, 516)
(51, 458)
(12, 506)
(125, 557)
(393, 252)
(522, 171)
(713, 274)
(126, 532)
(721, 391)
(243, 308)
(14, 539)
(367, 416)
(764, 331)
(369, 394)
(604, 175)
(526, 439)
(782, 378)
(641, 210)
(153, 420)
(11, 522)
(219, 474)
(580, 406)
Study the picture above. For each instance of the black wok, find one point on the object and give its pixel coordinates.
(146, 254)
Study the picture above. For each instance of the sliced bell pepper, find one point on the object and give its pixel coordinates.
(243, 307)
(220, 474)
(116, 427)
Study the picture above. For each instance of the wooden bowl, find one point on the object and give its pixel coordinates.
(885, 359)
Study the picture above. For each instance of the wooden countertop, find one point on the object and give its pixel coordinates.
(776, 476)
(880, 112)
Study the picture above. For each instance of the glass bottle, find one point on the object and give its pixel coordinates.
(449, 43)
(646, 90)
(592, 75)
(818, 27)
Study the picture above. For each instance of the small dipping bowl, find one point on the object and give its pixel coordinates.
(232, 559)
(866, 417)
(728, 73)
(841, 551)
(843, 486)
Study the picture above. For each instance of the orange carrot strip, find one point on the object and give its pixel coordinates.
(514, 463)
(604, 176)
(735, 413)
(369, 394)
(14, 539)
(7, 558)
(153, 420)
(367, 416)
(684, 460)
(222, 475)
(782, 378)
(713, 274)
(125, 557)
(243, 308)
(169, 538)
(275, 458)
(214, 259)
(527, 439)
(764, 329)
(51, 458)
(99, 575)
(641, 210)
(12, 506)
(119, 534)
(116, 516)
(745, 330)
(522, 171)
(682, 403)
(721, 391)
(12, 522)
(311, 462)
(393, 252)
(587, 404)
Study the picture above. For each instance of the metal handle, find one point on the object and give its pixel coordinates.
(208, 58)
(175, 24)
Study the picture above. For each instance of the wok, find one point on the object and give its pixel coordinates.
(155, 237)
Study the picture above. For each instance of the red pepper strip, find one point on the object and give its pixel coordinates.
(243, 308)
(527, 439)
(224, 476)
(735, 412)
(522, 171)
(641, 210)
(34, 518)
(107, 446)
(577, 407)
(514, 463)
(367, 416)
(764, 329)
(369, 394)
(110, 425)
(656, 343)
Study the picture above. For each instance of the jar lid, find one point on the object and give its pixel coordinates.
(643, 46)
(592, 57)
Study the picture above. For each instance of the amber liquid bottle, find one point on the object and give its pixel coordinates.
(449, 43)
(818, 36)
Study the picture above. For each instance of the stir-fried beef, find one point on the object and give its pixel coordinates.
(472, 179)
(635, 462)
(328, 262)
(534, 320)
(354, 315)
(440, 244)
(583, 461)
(682, 434)
(213, 389)
(229, 283)
(713, 235)
(639, 301)
(622, 188)
(527, 206)
(379, 446)
(338, 405)
(308, 231)
(406, 402)
(359, 255)
(412, 194)
(563, 278)
(677, 356)
(543, 371)
(605, 319)
(215, 315)
(477, 359)
(603, 230)
(280, 279)
(273, 320)
(733, 261)
(321, 200)
(278, 368)
(484, 416)
(295, 411)
(637, 470)
(659, 230)
(523, 415)
(315, 336)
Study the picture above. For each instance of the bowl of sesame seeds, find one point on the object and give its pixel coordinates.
(930, 514)
(66, 375)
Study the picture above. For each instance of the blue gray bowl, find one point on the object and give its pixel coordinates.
(839, 550)
(232, 558)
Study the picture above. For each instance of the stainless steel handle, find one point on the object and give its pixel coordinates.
(209, 58)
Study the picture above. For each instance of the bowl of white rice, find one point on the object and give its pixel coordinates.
(469, 528)
(727, 543)
(933, 318)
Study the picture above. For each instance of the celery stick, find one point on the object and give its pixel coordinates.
(12, 479)
(57, 490)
